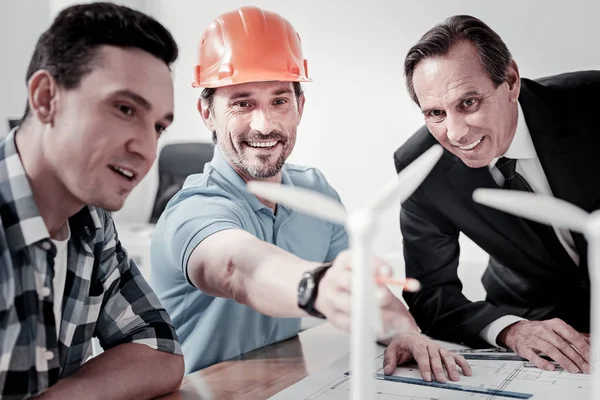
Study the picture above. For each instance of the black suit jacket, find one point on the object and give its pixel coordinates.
(524, 277)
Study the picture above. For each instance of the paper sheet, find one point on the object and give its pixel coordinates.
(332, 383)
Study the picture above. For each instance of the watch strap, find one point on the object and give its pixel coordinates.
(317, 275)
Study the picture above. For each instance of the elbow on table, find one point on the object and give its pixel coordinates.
(174, 370)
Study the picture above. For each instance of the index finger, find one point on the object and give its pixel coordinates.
(382, 268)
(390, 359)
(394, 355)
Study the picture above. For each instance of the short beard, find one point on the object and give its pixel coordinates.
(262, 170)
(257, 172)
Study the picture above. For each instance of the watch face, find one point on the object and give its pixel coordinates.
(304, 291)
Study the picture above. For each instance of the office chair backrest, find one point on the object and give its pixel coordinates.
(12, 123)
(175, 163)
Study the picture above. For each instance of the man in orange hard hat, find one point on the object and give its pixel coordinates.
(237, 272)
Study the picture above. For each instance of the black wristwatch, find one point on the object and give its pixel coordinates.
(308, 289)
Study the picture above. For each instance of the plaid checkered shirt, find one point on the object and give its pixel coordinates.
(105, 295)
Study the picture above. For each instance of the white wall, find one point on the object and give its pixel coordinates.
(357, 110)
(21, 22)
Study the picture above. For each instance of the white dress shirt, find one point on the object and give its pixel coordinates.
(60, 277)
(529, 167)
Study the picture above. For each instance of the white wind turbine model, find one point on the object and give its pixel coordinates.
(562, 214)
(360, 224)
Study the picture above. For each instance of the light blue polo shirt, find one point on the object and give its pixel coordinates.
(213, 329)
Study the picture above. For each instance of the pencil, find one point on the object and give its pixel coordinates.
(409, 285)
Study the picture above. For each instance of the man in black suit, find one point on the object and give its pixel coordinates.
(499, 131)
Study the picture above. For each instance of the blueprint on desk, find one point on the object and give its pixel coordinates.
(332, 383)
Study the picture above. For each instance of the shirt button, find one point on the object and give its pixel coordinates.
(49, 355)
(45, 292)
(46, 245)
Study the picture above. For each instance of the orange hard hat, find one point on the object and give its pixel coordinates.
(249, 45)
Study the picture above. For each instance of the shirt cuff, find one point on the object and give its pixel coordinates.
(492, 330)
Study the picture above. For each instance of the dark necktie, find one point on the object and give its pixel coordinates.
(514, 181)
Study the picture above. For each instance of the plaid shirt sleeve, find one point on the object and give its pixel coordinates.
(131, 311)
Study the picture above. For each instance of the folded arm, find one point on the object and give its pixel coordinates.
(126, 371)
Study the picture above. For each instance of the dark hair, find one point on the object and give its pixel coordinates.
(492, 51)
(69, 47)
(208, 94)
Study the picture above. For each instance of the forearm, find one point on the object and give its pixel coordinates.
(446, 314)
(266, 278)
(237, 265)
(127, 371)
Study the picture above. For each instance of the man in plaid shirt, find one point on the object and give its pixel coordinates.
(99, 95)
